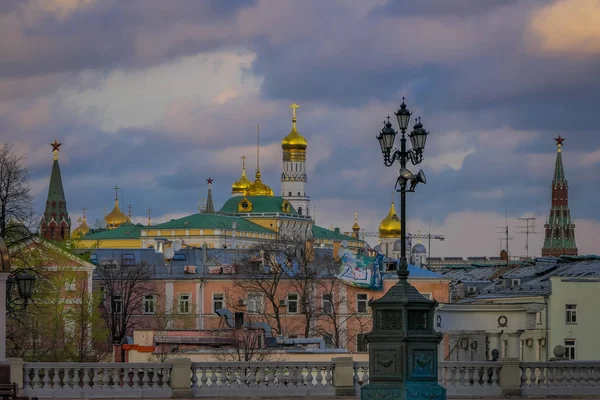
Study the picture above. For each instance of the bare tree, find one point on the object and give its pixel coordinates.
(122, 290)
(248, 344)
(16, 210)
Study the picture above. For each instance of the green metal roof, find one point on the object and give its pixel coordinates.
(323, 233)
(212, 221)
(260, 204)
(125, 231)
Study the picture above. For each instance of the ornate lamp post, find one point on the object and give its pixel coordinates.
(24, 282)
(403, 344)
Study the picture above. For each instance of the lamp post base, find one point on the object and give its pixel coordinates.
(407, 391)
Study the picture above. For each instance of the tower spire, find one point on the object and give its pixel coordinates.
(56, 223)
(559, 228)
(209, 201)
(149, 216)
(258, 151)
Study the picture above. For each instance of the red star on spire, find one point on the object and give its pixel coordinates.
(559, 140)
(210, 181)
(55, 145)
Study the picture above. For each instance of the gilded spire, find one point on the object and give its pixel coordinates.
(258, 188)
(356, 227)
(294, 142)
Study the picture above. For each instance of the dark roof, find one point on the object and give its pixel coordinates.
(125, 231)
(260, 204)
(323, 233)
(212, 221)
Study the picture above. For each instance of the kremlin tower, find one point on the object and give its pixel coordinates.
(56, 224)
(293, 177)
(559, 228)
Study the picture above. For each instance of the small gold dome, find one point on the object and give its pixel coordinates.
(355, 227)
(294, 141)
(116, 217)
(241, 184)
(81, 230)
(390, 226)
(258, 188)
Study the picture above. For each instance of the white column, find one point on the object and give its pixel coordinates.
(514, 345)
(495, 343)
(3, 278)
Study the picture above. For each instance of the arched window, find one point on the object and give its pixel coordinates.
(300, 210)
(290, 194)
(298, 194)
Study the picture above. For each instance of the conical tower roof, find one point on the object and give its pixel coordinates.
(56, 223)
(210, 207)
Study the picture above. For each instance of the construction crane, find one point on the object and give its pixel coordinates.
(408, 235)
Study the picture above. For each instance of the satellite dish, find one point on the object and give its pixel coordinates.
(177, 244)
(169, 253)
(504, 255)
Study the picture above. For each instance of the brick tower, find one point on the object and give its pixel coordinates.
(559, 228)
(56, 224)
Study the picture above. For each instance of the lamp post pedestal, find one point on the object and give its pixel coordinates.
(4, 366)
(403, 346)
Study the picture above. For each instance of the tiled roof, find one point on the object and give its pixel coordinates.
(125, 231)
(212, 221)
(323, 233)
(260, 204)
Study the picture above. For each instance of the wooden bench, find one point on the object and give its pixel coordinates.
(9, 391)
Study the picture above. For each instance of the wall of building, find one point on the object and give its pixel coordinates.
(583, 293)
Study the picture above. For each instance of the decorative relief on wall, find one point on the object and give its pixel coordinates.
(421, 364)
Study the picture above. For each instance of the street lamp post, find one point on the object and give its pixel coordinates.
(403, 342)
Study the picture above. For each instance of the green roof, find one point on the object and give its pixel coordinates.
(212, 221)
(260, 204)
(323, 233)
(125, 231)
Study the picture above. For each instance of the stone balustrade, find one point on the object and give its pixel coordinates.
(182, 378)
(262, 378)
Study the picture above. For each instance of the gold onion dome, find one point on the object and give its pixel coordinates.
(258, 188)
(82, 229)
(294, 141)
(242, 184)
(116, 217)
(390, 226)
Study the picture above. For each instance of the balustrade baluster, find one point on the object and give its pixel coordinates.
(458, 377)
(468, 377)
(116, 379)
(269, 376)
(494, 376)
(67, 378)
(26, 378)
(550, 376)
(214, 377)
(319, 377)
(56, 379)
(96, 378)
(329, 376)
(36, 378)
(105, 378)
(155, 380)
(260, 376)
(525, 377)
(136, 384)
(145, 378)
(194, 377)
(478, 377)
(203, 378)
(46, 379)
(77, 378)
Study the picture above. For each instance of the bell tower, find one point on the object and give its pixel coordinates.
(293, 177)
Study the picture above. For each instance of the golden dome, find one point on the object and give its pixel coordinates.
(390, 226)
(294, 141)
(355, 227)
(258, 188)
(116, 217)
(243, 183)
(82, 229)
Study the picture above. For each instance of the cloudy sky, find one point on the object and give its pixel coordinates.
(156, 96)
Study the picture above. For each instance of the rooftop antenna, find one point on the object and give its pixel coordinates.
(529, 230)
(257, 149)
(506, 237)
(129, 211)
(149, 216)
(429, 242)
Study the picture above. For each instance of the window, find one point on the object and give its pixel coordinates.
(184, 304)
(255, 303)
(361, 302)
(179, 257)
(300, 210)
(538, 318)
(571, 313)
(328, 341)
(570, 349)
(292, 303)
(70, 286)
(290, 194)
(427, 296)
(218, 301)
(127, 260)
(327, 303)
(116, 304)
(361, 343)
(148, 305)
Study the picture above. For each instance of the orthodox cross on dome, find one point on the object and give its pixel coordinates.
(355, 217)
(55, 148)
(559, 142)
(293, 107)
(116, 189)
(129, 207)
(244, 162)
(84, 212)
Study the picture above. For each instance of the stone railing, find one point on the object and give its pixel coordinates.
(106, 380)
(560, 378)
(341, 376)
(262, 378)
